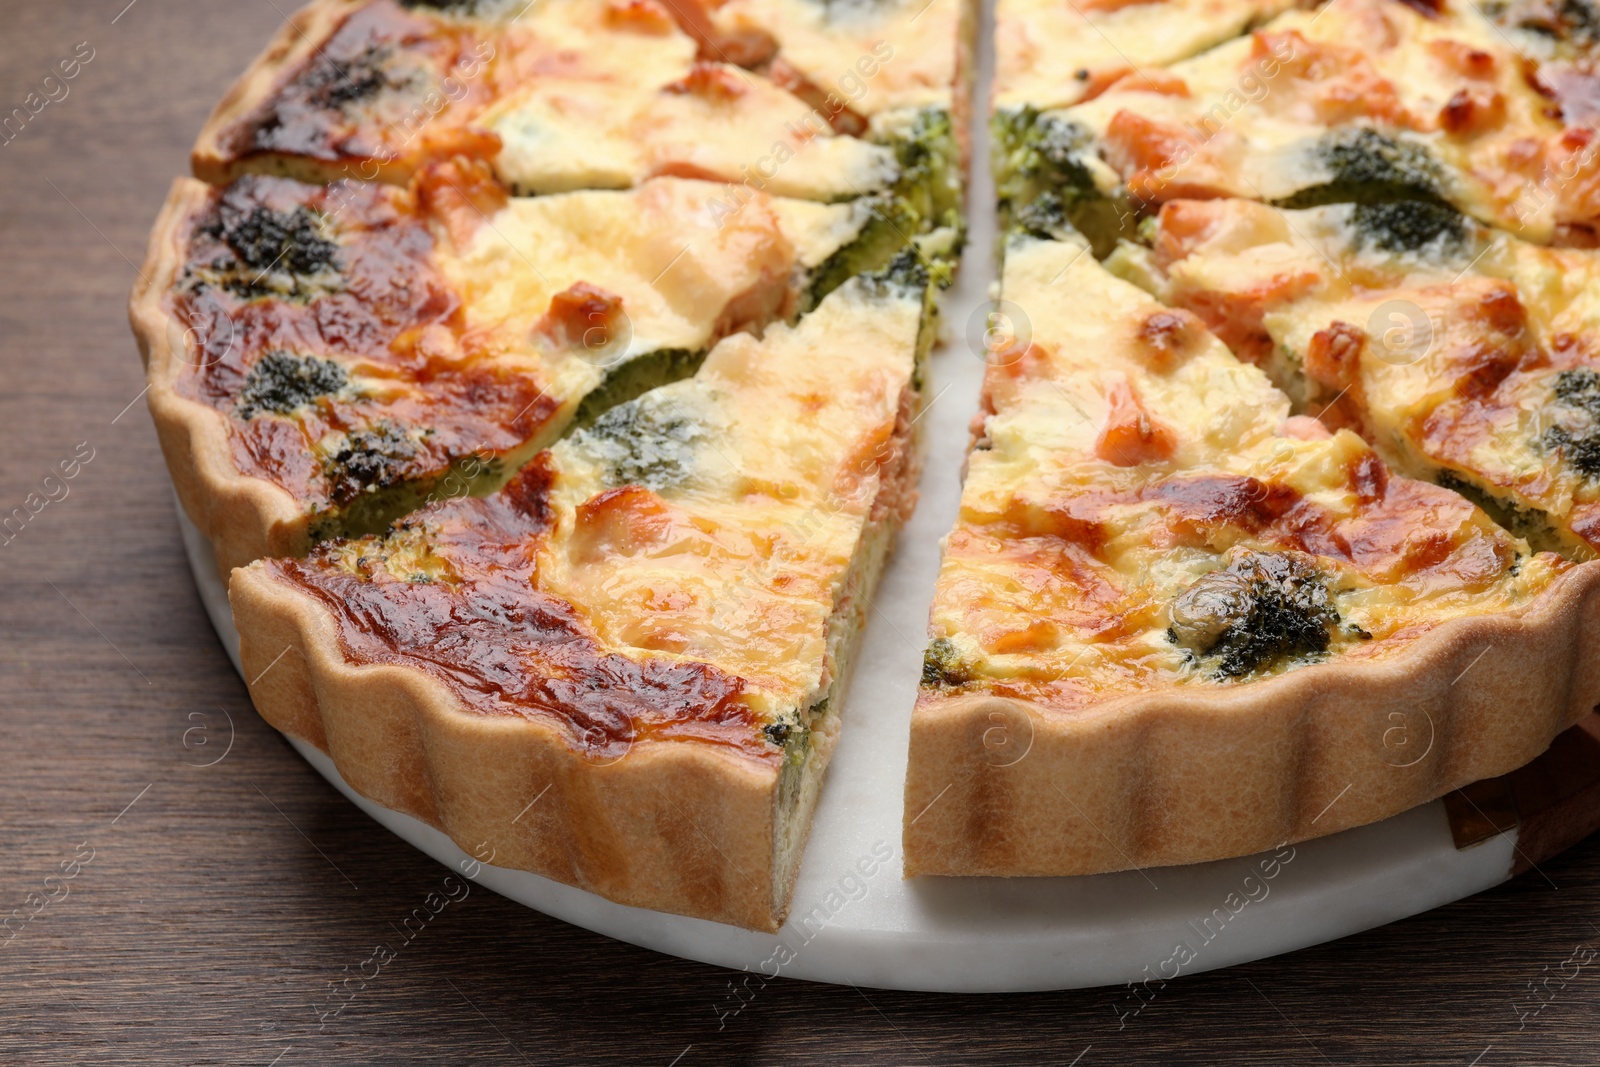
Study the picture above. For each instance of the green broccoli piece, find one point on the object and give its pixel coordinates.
(649, 441)
(1046, 184)
(271, 253)
(1368, 166)
(1409, 226)
(280, 382)
(371, 460)
(1263, 608)
(943, 666)
(1578, 391)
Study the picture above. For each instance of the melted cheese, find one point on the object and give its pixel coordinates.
(706, 120)
(1455, 353)
(1128, 454)
(1253, 117)
(1050, 54)
(872, 56)
(688, 261)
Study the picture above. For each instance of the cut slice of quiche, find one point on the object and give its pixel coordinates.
(323, 359)
(690, 118)
(624, 669)
(1174, 623)
(561, 95)
(1466, 356)
(1356, 101)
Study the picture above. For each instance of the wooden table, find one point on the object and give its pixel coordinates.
(209, 908)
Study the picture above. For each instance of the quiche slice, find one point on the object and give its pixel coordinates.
(1174, 623)
(1052, 55)
(687, 117)
(623, 670)
(323, 359)
(1467, 356)
(1358, 100)
(561, 95)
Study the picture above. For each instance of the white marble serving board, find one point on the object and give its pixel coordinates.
(855, 920)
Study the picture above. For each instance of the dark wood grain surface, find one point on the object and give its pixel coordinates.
(217, 903)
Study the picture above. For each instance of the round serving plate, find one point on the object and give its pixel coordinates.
(855, 920)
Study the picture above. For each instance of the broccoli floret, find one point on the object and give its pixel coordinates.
(922, 207)
(1047, 184)
(926, 153)
(1529, 524)
(271, 253)
(1579, 387)
(359, 77)
(1044, 150)
(371, 459)
(906, 273)
(1367, 166)
(650, 441)
(266, 239)
(1577, 435)
(1261, 609)
(944, 667)
(1580, 450)
(634, 377)
(1409, 226)
(280, 382)
(926, 195)
(1045, 216)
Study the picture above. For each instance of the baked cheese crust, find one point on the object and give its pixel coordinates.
(1466, 354)
(687, 573)
(1174, 622)
(360, 348)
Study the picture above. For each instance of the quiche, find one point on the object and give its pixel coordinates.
(1359, 100)
(1175, 622)
(1466, 355)
(546, 376)
(653, 620)
(324, 358)
(562, 95)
